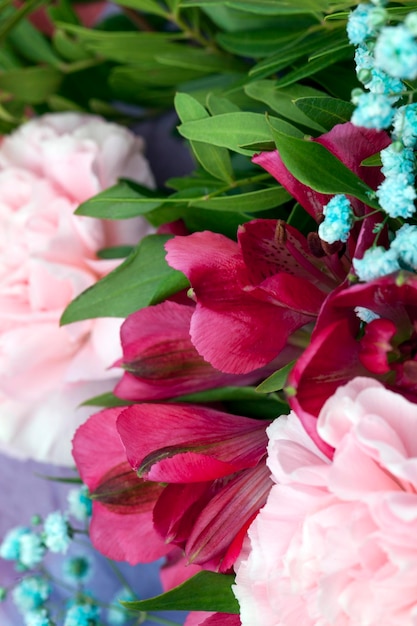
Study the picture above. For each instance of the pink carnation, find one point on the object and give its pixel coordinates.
(47, 257)
(335, 544)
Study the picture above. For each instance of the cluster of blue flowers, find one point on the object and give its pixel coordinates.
(28, 546)
(386, 56)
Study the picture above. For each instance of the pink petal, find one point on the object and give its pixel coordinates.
(217, 441)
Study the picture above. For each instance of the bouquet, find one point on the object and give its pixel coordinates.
(253, 424)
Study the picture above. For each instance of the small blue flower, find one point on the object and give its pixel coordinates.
(38, 617)
(405, 245)
(32, 550)
(82, 614)
(31, 593)
(396, 52)
(338, 220)
(10, 546)
(396, 196)
(376, 262)
(398, 160)
(366, 315)
(373, 110)
(380, 82)
(77, 569)
(56, 532)
(80, 505)
(411, 23)
(118, 614)
(361, 25)
(405, 125)
(364, 58)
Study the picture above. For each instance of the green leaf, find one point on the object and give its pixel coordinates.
(233, 130)
(32, 85)
(326, 111)
(318, 168)
(122, 201)
(68, 48)
(373, 161)
(266, 41)
(206, 591)
(144, 278)
(250, 202)
(303, 47)
(311, 67)
(32, 45)
(148, 6)
(279, 7)
(222, 394)
(213, 159)
(107, 400)
(277, 380)
(282, 101)
(200, 60)
(115, 252)
(218, 105)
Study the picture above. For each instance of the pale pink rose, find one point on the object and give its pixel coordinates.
(335, 544)
(47, 257)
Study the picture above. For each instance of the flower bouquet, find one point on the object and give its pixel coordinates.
(217, 325)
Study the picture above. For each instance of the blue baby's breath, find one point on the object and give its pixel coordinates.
(117, 614)
(405, 125)
(398, 161)
(361, 23)
(82, 614)
(338, 220)
(32, 550)
(396, 196)
(376, 262)
(80, 505)
(405, 245)
(373, 110)
(10, 546)
(56, 531)
(396, 52)
(30, 593)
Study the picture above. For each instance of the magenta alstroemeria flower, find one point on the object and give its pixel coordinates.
(160, 360)
(343, 346)
(212, 464)
(251, 295)
(203, 618)
(121, 525)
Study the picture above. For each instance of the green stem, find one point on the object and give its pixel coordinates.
(125, 583)
(235, 184)
(77, 66)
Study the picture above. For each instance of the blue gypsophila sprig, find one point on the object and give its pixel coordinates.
(338, 220)
(405, 245)
(396, 52)
(57, 532)
(405, 125)
(363, 23)
(396, 196)
(376, 262)
(31, 593)
(373, 110)
(79, 503)
(398, 160)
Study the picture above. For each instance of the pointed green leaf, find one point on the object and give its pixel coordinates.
(108, 400)
(148, 6)
(144, 278)
(318, 168)
(282, 101)
(318, 64)
(326, 111)
(120, 202)
(233, 130)
(277, 380)
(206, 591)
(250, 202)
(213, 159)
(32, 85)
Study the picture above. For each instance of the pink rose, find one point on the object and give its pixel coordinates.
(335, 543)
(47, 257)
